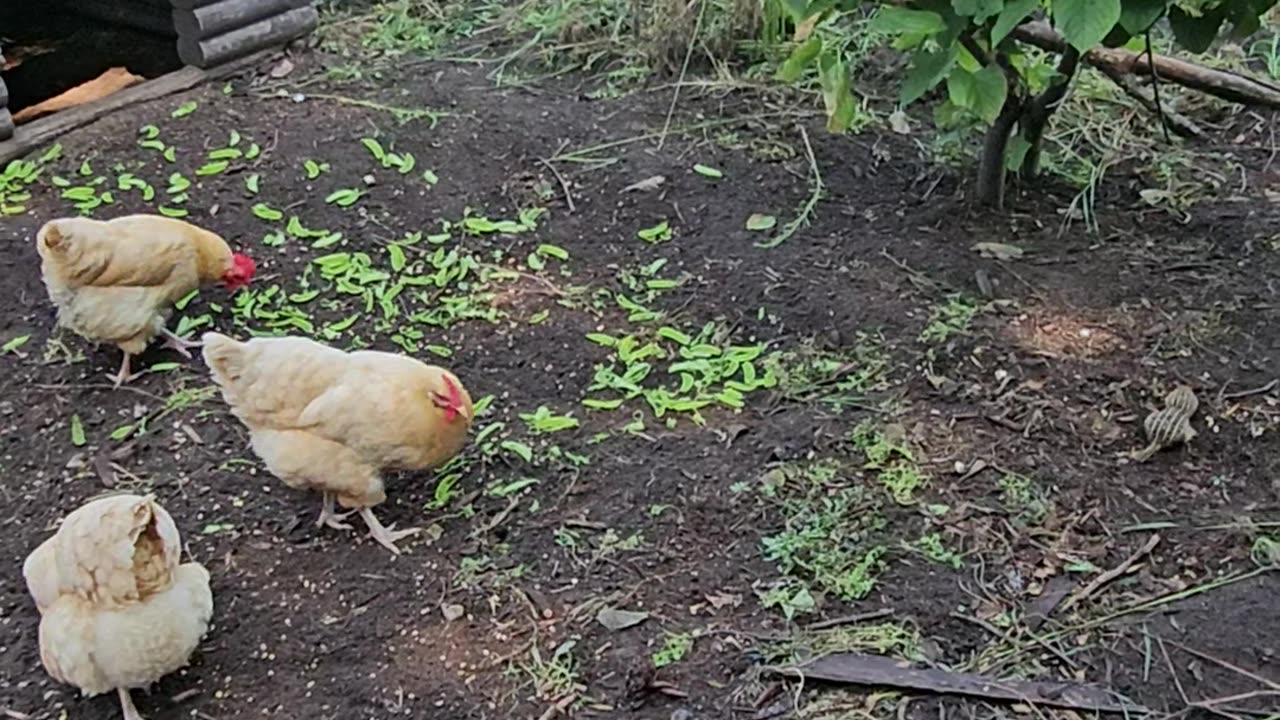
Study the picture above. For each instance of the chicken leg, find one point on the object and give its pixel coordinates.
(330, 518)
(126, 702)
(177, 344)
(385, 536)
(124, 376)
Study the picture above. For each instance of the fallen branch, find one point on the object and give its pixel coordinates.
(1224, 84)
(1111, 574)
(887, 672)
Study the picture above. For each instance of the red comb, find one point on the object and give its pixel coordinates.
(454, 397)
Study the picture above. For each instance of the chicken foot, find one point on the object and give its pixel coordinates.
(177, 344)
(385, 536)
(329, 517)
(126, 702)
(124, 375)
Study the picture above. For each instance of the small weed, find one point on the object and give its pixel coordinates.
(674, 648)
(543, 421)
(556, 676)
(932, 547)
(949, 319)
(837, 380)
(888, 454)
(1023, 497)
(826, 541)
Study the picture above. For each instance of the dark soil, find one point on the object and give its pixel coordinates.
(1079, 339)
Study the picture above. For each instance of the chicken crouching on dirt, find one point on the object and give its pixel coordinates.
(116, 281)
(117, 609)
(332, 421)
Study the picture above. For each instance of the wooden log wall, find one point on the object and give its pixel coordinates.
(212, 32)
(6, 120)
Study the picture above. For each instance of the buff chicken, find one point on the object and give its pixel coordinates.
(117, 609)
(332, 421)
(116, 281)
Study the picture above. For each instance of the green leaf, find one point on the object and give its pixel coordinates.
(1137, 16)
(14, 344)
(708, 171)
(213, 168)
(759, 222)
(1010, 17)
(982, 92)
(396, 253)
(1084, 23)
(518, 448)
(1196, 33)
(799, 59)
(928, 68)
(264, 211)
(979, 10)
(344, 198)
(185, 109)
(894, 20)
(375, 148)
(836, 93)
(77, 432)
(430, 177)
(251, 184)
(554, 251)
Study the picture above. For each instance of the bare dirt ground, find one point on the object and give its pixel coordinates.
(925, 429)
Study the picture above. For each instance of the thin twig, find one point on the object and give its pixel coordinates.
(568, 196)
(849, 619)
(807, 211)
(1111, 574)
(1255, 391)
(684, 69)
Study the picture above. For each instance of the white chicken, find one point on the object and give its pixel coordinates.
(117, 609)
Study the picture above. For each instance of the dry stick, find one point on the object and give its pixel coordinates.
(1256, 391)
(849, 619)
(1111, 574)
(688, 54)
(1230, 86)
(568, 196)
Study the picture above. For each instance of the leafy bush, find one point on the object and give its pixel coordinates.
(973, 47)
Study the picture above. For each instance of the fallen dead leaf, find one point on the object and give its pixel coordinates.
(999, 251)
(615, 619)
(648, 184)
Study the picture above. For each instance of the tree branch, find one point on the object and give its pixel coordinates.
(1035, 115)
(1230, 86)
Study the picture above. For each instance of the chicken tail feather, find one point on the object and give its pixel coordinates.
(52, 238)
(224, 356)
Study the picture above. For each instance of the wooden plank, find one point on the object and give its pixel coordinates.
(45, 130)
(225, 15)
(270, 32)
(6, 129)
(129, 13)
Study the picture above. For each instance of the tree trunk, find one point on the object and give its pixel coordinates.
(991, 168)
(1036, 114)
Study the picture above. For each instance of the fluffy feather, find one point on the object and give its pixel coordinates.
(117, 609)
(115, 281)
(331, 421)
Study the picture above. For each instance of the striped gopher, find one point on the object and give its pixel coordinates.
(1170, 425)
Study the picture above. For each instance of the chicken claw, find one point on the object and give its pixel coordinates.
(177, 344)
(330, 518)
(385, 536)
(124, 376)
(126, 705)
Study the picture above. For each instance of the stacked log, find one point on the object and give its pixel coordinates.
(6, 120)
(212, 32)
(150, 16)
